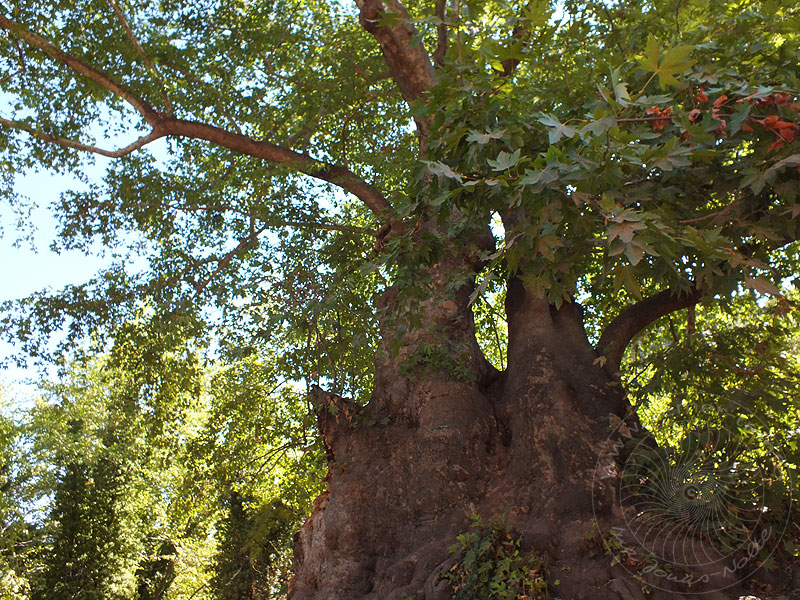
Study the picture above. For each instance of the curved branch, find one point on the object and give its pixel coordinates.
(635, 318)
(149, 114)
(162, 126)
(68, 143)
(335, 174)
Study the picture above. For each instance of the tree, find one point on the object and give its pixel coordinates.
(103, 440)
(340, 180)
(88, 543)
(15, 533)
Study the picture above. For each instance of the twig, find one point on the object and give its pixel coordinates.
(126, 26)
(244, 244)
(718, 213)
(11, 76)
(271, 223)
(347, 120)
(194, 79)
(613, 28)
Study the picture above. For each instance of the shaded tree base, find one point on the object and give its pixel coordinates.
(528, 448)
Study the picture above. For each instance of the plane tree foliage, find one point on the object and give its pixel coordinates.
(297, 188)
(601, 153)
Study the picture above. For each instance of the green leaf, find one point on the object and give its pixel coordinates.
(675, 61)
(476, 137)
(669, 156)
(624, 279)
(442, 170)
(649, 61)
(624, 230)
(634, 253)
(556, 129)
(504, 161)
(598, 127)
(539, 177)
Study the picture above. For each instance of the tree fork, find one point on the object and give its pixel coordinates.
(408, 470)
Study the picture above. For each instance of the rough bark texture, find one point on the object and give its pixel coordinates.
(525, 442)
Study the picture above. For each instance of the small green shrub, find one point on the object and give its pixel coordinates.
(492, 567)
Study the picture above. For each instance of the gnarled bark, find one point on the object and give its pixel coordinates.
(429, 450)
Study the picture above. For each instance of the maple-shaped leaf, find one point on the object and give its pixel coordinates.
(624, 278)
(504, 161)
(537, 177)
(484, 138)
(675, 61)
(555, 128)
(441, 169)
(762, 285)
(625, 230)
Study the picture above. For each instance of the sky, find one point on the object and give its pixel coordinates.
(27, 266)
(30, 266)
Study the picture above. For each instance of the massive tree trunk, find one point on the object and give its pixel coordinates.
(435, 446)
(446, 436)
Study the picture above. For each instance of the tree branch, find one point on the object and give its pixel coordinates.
(163, 126)
(126, 26)
(68, 143)
(441, 33)
(411, 69)
(521, 33)
(635, 318)
(303, 163)
(244, 244)
(149, 114)
(244, 213)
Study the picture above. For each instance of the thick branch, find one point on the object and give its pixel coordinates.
(441, 32)
(162, 126)
(410, 67)
(635, 318)
(243, 144)
(143, 108)
(334, 174)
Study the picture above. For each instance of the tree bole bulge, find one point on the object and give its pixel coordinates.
(524, 446)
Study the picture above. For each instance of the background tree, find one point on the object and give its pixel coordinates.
(133, 451)
(102, 440)
(15, 533)
(597, 168)
(87, 537)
